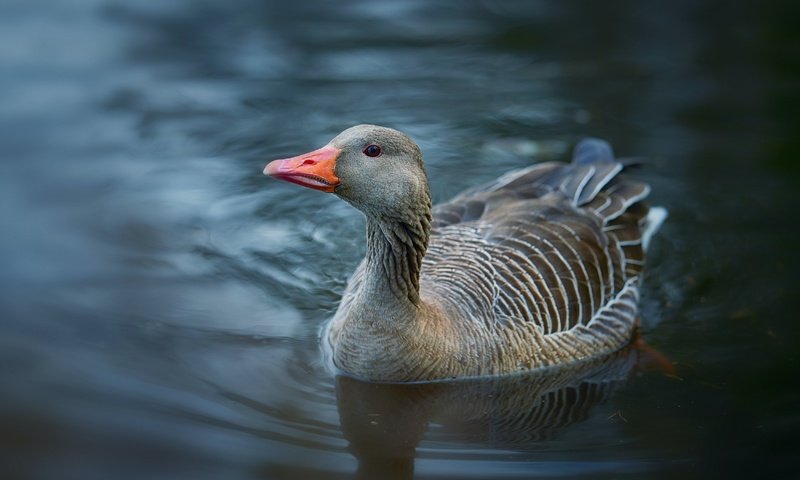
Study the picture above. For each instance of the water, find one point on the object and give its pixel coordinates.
(161, 300)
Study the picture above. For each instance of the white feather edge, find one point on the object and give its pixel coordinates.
(655, 217)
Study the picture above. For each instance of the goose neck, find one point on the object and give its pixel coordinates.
(395, 248)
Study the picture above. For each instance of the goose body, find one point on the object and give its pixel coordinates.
(538, 268)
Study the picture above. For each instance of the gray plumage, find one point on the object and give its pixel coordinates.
(540, 267)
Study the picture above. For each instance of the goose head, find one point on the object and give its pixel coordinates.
(376, 169)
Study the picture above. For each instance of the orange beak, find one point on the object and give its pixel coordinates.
(312, 169)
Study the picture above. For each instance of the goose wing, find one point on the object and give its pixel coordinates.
(556, 244)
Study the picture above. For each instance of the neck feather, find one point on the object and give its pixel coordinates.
(395, 247)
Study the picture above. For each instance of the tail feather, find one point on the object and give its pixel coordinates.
(655, 218)
(592, 150)
(593, 167)
(604, 173)
(592, 182)
(597, 186)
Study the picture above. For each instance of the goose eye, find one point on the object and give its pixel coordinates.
(372, 150)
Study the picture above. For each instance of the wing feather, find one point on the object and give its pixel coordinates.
(556, 245)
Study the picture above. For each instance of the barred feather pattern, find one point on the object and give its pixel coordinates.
(548, 257)
(538, 268)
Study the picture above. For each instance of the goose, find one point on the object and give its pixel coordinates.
(538, 268)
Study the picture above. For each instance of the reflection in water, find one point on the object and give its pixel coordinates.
(160, 303)
(385, 422)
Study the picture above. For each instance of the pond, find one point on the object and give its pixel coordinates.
(162, 299)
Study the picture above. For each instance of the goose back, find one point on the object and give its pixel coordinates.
(542, 265)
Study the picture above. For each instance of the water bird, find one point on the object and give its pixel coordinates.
(538, 268)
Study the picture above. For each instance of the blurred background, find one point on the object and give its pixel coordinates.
(160, 300)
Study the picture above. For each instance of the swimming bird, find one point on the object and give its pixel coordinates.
(538, 268)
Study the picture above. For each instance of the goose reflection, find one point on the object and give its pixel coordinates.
(385, 422)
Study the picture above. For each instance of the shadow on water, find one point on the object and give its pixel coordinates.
(384, 423)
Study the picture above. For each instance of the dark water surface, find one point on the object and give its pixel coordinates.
(161, 299)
